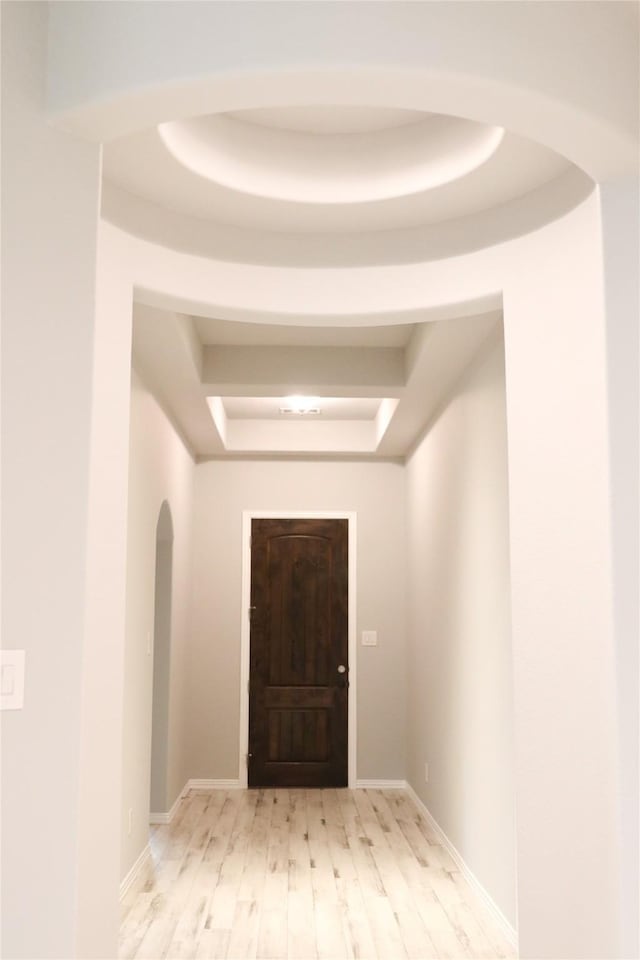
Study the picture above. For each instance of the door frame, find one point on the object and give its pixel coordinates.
(245, 631)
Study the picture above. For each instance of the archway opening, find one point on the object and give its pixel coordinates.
(161, 662)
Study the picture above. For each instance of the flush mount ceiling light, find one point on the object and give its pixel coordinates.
(304, 406)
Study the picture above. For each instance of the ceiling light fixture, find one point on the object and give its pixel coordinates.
(302, 406)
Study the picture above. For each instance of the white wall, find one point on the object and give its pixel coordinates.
(50, 189)
(223, 489)
(160, 469)
(620, 207)
(460, 683)
(561, 593)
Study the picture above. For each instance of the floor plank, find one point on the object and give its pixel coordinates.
(303, 875)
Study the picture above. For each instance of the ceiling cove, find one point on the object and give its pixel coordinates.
(330, 155)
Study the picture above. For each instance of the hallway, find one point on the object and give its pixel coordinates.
(377, 260)
(300, 874)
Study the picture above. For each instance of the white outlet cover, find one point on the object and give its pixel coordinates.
(369, 638)
(12, 679)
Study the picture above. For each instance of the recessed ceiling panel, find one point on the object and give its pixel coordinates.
(336, 118)
(168, 355)
(353, 167)
(213, 331)
(320, 170)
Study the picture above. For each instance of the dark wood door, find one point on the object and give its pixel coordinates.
(298, 689)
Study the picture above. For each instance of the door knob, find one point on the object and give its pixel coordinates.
(342, 668)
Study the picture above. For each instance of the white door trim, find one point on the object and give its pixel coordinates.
(247, 517)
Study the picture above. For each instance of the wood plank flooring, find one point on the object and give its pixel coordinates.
(302, 874)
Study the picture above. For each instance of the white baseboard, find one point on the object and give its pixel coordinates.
(166, 818)
(135, 872)
(160, 818)
(213, 785)
(194, 784)
(381, 784)
(507, 929)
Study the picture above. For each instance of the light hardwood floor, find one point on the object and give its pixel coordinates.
(303, 874)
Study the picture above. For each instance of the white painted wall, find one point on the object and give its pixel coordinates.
(223, 489)
(620, 211)
(160, 469)
(104, 626)
(561, 593)
(460, 683)
(50, 190)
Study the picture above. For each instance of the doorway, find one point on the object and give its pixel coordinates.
(350, 520)
(299, 653)
(159, 801)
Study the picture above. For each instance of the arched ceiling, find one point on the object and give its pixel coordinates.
(323, 170)
(403, 169)
(543, 71)
(306, 134)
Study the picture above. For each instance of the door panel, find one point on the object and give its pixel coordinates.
(298, 700)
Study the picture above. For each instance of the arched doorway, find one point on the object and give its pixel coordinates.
(161, 661)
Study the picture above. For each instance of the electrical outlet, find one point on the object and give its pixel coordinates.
(12, 677)
(130, 822)
(426, 773)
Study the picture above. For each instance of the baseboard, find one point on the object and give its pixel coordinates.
(135, 871)
(507, 929)
(164, 818)
(213, 785)
(381, 784)
(159, 819)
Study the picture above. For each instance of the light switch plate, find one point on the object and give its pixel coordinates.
(369, 638)
(11, 679)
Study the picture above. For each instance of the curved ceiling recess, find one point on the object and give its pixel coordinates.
(332, 169)
(332, 154)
